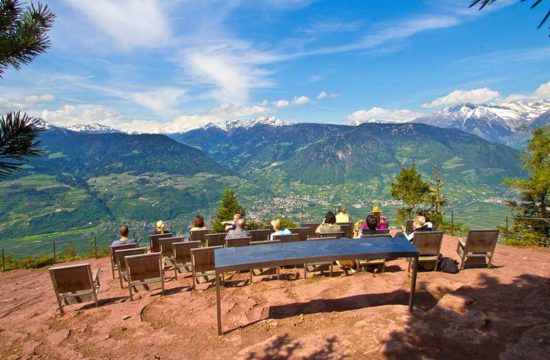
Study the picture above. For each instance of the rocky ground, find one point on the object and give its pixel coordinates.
(498, 313)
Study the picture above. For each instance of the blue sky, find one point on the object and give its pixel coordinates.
(152, 65)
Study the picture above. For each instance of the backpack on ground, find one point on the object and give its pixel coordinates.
(448, 265)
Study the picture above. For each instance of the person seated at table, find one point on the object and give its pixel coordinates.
(329, 225)
(370, 226)
(278, 229)
(428, 224)
(123, 231)
(231, 225)
(239, 231)
(160, 228)
(198, 223)
(419, 224)
(342, 216)
(358, 228)
(382, 220)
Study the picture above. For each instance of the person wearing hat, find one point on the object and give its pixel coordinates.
(382, 220)
(342, 216)
(278, 228)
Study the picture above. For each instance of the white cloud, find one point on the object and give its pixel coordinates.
(543, 91)
(324, 95)
(129, 23)
(231, 110)
(24, 103)
(381, 115)
(297, 101)
(475, 96)
(160, 100)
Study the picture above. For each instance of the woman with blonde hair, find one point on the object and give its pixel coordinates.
(160, 228)
(278, 229)
(358, 228)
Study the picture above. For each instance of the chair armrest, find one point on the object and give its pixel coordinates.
(95, 276)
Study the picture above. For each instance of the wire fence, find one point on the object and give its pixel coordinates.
(95, 243)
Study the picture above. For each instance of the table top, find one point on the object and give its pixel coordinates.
(294, 253)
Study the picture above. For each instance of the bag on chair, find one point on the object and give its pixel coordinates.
(448, 265)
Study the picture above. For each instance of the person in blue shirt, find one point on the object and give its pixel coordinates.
(278, 229)
(123, 232)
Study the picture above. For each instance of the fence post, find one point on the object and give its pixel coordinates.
(95, 245)
(3, 261)
(54, 252)
(506, 234)
(452, 223)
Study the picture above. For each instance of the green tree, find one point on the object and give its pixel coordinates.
(23, 36)
(409, 188)
(534, 192)
(229, 206)
(69, 252)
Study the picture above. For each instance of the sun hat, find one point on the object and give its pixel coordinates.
(375, 209)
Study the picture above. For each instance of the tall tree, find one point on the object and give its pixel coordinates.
(23, 36)
(229, 206)
(532, 214)
(409, 188)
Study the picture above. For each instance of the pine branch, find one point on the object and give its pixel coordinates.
(18, 140)
(483, 3)
(23, 34)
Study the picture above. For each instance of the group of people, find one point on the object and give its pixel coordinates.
(236, 228)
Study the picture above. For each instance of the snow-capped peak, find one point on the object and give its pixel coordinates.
(92, 128)
(234, 124)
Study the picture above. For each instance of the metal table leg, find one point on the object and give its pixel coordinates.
(413, 283)
(218, 304)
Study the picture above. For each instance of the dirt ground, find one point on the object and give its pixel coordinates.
(498, 313)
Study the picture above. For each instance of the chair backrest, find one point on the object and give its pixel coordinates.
(481, 241)
(121, 254)
(245, 241)
(312, 227)
(71, 278)
(260, 235)
(372, 236)
(217, 239)
(264, 242)
(409, 226)
(428, 242)
(336, 235)
(154, 241)
(114, 248)
(198, 235)
(144, 266)
(165, 245)
(301, 231)
(347, 229)
(287, 238)
(321, 238)
(182, 250)
(203, 258)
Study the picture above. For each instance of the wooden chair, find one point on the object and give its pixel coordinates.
(203, 262)
(166, 249)
(198, 235)
(287, 238)
(121, 265)
(114, 248)
(301, 231)
(320, 266)
(373, 236)
(347, 229)
(75, 284)
(312, 227)
(182, 255)
(260, 235)
(143, 270)
(428, 244)
(154, 241)
(332, 235)
(217, 239)
(238, 242)
(478, 243)
(409, 226)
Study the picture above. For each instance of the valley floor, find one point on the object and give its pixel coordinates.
(498, 313)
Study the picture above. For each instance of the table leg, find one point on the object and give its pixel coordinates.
(413, 283)
(218, 304)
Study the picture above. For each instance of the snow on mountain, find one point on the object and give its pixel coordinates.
(234, 124)
(92, 128)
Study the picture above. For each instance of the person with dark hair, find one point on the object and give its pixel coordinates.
(329, 225)
(370, 225)
(123, 231)
(198, 223)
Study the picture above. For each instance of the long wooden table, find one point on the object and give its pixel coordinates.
(298, 253)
